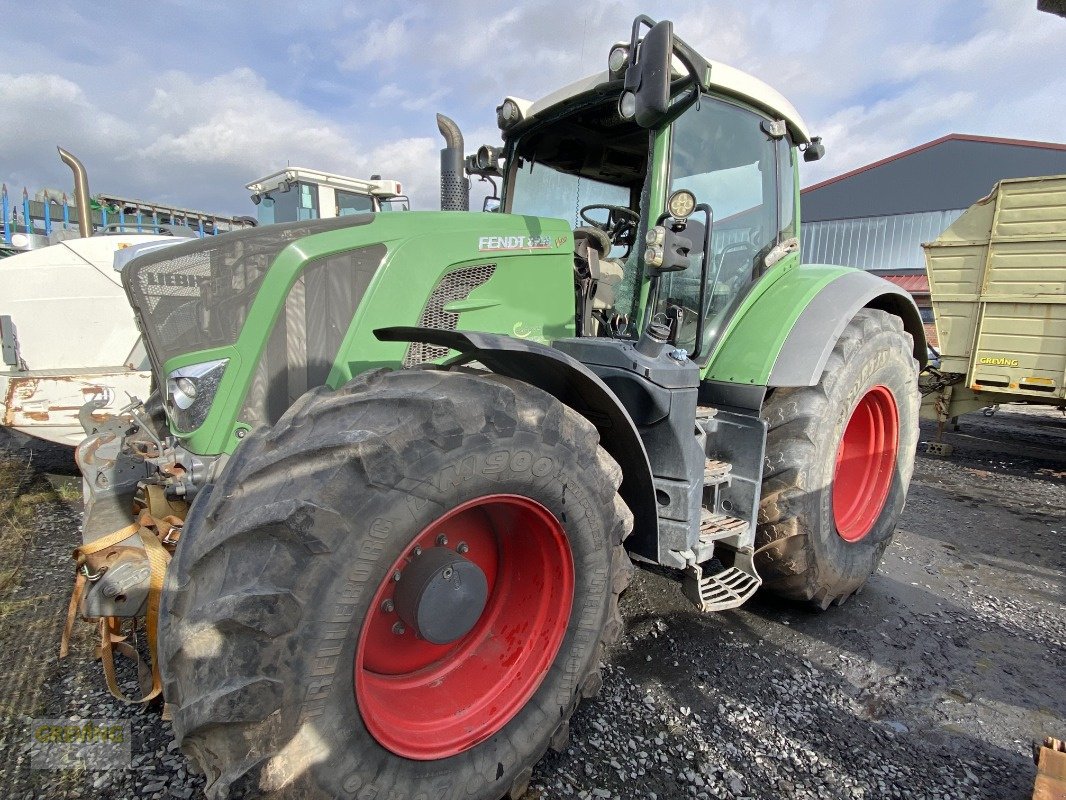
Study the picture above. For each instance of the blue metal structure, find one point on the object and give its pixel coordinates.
(34, 217)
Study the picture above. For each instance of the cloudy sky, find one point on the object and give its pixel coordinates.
(176, 103)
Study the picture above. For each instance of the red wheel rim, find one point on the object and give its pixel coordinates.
(427, 701)
(866, 462)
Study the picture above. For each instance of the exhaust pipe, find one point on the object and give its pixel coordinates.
(81, 192)
(454, 185)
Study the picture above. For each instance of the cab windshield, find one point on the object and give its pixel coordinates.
(589, 157)
(540, 190)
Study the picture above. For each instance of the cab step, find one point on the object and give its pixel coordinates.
(715, 528)
(716, 472)
(729, 588)
(720, 526)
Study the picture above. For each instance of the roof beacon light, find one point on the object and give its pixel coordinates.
(618, 58)
(627, 105)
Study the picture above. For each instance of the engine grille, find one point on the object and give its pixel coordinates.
(455, 285)
(197, 295)
(303, 344)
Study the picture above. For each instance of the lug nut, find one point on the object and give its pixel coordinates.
(388, 606)
(463, 548)
(398, 629)
(442, 540)
(447, 573)
(418, 550)
(396, 575)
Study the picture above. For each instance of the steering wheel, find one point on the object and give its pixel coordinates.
(621, 224)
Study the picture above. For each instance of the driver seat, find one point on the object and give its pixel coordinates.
(599, 285)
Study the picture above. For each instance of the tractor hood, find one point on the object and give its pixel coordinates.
(197, 296)
(261, 316)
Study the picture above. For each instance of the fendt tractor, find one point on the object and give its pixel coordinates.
(420, 452)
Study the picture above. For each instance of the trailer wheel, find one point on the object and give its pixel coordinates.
(402, 590)
(839, 458)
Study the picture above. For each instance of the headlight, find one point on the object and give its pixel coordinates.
(681, 204)
(182, 392)
(508, 114)
(190, 392)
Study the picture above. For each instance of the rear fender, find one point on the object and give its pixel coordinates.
(807, 347)
(574, 385)
(785, 330)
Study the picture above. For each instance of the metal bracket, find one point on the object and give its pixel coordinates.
(9, 342)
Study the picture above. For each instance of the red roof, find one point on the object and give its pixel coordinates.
(915, 284)
(951, 137)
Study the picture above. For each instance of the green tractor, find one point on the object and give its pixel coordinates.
(421, 451)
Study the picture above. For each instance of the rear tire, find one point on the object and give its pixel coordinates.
(826, 516)
(276, 588)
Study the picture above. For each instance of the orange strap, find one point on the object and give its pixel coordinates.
(80, 554)
(111, 639)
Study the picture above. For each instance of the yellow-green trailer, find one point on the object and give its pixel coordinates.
(997, 280)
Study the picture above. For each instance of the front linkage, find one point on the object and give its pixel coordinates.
(129, 472)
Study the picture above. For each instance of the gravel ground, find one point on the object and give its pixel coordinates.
(932, 683)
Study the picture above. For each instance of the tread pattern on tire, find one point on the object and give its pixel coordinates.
(235, 594)
(787, 560)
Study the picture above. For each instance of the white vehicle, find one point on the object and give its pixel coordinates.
(298, 193)
(67, 333)
(68, 336)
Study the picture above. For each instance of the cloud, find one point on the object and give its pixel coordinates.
(194, 143)
(391, 96)
(42, 111)
(191, 110)
(382, 43)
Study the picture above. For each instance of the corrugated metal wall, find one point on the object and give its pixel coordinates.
(890, 242)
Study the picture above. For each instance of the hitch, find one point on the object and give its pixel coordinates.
(133, 523)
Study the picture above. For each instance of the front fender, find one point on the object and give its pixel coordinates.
(783, 335)
(574, 385)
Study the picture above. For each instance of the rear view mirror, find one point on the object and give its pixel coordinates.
(815, 150)
(490, 204)
(647, 82)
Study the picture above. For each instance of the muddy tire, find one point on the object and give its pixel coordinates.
(287, 664)
(839, 458)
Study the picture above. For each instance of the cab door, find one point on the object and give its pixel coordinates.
(728, 156)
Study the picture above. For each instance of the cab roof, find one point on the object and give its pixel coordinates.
(374, 186)
(724, 79)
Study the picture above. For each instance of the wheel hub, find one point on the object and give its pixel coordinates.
(441, 595)
(464, 626)
(865, 464)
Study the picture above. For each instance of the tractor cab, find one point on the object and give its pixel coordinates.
(299, 194)
(608, 157)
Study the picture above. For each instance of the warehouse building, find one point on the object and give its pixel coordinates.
(876, 217)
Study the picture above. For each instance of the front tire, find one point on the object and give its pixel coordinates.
(287, 649)
(839, 459)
